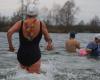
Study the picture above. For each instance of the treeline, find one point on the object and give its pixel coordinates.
(7, 22)
(62, 19)
(75, 28)
(58, 19)
(4, 22)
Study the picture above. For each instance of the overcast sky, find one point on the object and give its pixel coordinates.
(88, 8)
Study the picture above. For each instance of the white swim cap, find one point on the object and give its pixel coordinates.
(97, 36)
(32, 10)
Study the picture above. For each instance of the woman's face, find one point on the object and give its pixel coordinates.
(97, 41)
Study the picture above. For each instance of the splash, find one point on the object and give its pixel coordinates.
(47, 72)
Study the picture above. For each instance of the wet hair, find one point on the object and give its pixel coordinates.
(72, 34)
(96, 38)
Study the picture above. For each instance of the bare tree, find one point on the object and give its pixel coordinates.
(95, 21)
(67, 13)
(81, 23)
(53, 15)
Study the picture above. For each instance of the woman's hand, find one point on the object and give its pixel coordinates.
(49, 46)
(12, 49)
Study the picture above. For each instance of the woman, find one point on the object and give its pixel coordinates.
(30, 34)
(93, 48)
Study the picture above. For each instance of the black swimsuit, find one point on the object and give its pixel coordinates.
(29, 51)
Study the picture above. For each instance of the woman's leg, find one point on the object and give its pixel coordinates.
(35, 68)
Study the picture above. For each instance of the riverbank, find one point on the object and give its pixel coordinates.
(65, 29)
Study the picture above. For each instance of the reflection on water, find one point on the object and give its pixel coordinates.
(56, 64)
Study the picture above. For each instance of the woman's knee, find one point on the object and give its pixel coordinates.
(35, 68)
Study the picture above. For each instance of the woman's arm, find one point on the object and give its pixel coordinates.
(47, 37)
(88, 51)
(10, 32)
(90, 47)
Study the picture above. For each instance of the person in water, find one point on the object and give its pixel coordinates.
(30, 33)
(93, 48)
(72, 44)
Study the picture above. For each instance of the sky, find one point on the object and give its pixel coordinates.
(87, 8)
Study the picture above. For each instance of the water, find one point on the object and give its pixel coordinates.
(56, 64)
